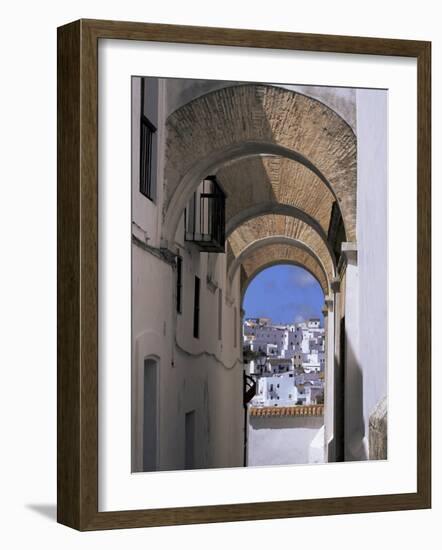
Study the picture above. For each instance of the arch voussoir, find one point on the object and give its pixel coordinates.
(242, 121)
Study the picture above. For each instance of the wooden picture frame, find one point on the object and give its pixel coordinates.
(77, 225)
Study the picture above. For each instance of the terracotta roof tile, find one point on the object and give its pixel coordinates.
(298, 410)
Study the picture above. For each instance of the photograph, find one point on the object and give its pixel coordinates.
(259, 250)
(217, 275)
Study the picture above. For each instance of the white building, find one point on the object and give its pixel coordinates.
(302, 343)
(277, 390)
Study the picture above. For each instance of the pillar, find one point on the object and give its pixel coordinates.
(353, 376)
(328, 312)
(336, 447)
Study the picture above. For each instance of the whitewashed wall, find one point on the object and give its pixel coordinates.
(195, 374)
(372, 234)
(284, 440)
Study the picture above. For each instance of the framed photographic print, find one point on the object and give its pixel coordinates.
(243, 275)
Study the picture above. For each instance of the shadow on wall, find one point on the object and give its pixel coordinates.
(358, 444)
(250, 192)
(256, 186)
(285, 422)
(353, 391)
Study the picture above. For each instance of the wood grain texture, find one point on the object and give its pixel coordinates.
(424, 274)
(77, 310)
(68, 276)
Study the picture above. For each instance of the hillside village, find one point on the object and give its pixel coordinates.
(286, 361)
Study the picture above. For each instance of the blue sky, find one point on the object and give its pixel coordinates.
(286, 293)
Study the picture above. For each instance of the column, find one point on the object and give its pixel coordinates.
(353, 376)
(328, 312)
(336, 444)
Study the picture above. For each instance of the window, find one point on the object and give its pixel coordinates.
(179, 283)
(220, 314)
(149, 115)
(147, 131)
(196, 309)
(189, 440)
(150, 393)
(204, 217)
(235, 327)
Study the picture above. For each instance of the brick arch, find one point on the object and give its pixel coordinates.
(279, 254)
(264, 242)
(268, 207)
(272, 226)
(249, 120)
(283, 183)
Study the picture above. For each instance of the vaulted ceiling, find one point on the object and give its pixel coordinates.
(283, 160)
(265, 229)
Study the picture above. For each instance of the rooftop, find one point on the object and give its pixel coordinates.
(298, 410)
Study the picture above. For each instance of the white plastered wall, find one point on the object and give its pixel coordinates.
(372, 233)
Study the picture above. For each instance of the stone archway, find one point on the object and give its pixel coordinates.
(246, 281)
(249, 120)
(284, 184)
(319, 272)
(281, 253)
(282, 229)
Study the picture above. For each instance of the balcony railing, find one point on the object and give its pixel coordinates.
(204, 217)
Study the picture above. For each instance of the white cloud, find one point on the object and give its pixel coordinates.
(302, 278)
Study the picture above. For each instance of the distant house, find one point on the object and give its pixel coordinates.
(300, 344)
(276, 390)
